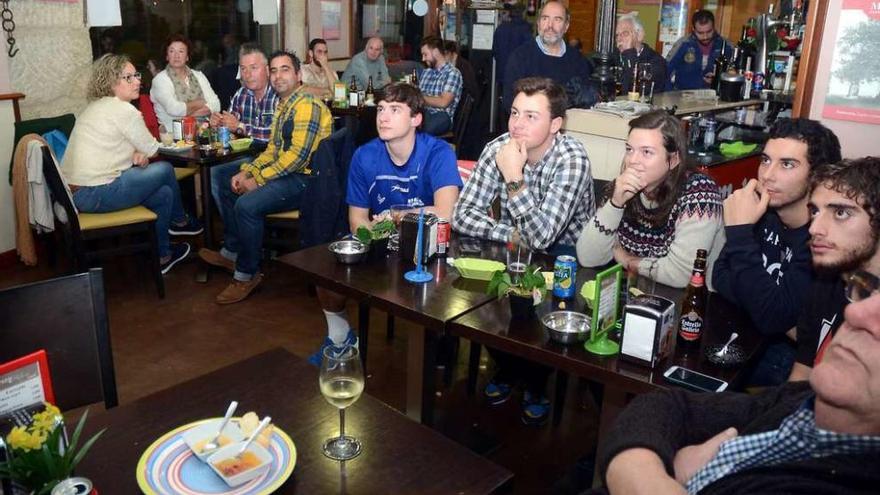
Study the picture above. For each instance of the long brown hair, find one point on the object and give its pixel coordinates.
(667, 193)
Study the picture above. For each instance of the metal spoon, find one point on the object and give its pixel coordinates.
(265, 422)
(213, 444)
(721, 352)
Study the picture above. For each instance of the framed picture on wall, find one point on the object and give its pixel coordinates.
(331, 20)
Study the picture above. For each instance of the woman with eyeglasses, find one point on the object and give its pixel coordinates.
(107, 162)
(179, 91)
(660, 209)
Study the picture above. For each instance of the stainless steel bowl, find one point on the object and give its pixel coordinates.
(567, 327)
(349, 251)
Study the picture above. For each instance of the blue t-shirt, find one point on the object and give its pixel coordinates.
(376, 183)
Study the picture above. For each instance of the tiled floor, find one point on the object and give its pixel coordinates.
(157, 343)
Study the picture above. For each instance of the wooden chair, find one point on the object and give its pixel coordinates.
(66, 317)
(136, 226)
(460, 121)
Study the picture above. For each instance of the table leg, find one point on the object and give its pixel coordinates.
(421, 360)
(363, 332)
(203, 270)
(613, 401)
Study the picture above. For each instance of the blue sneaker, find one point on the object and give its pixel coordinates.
(535, 410)
(192, 227)
(350, 340)
(496, 393)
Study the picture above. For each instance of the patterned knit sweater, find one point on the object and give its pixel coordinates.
(667, 250)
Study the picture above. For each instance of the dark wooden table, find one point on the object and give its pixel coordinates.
(380, 284)
(204, 161)
(360, 121)
(491, 325)
(400, 455)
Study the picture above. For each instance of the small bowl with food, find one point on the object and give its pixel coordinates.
(349, 251)
(197, 438)
(239, 469)
(567, 327)
(241, 144)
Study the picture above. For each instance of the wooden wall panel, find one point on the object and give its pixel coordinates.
(583, 22)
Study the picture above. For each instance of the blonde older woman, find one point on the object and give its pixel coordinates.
(179, 91)
(107, 159)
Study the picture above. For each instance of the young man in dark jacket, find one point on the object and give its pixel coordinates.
(765, 266)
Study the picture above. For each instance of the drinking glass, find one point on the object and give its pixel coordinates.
(342, 381)
(189, 129)
(645, 76)
(398, 212)
(518, 259)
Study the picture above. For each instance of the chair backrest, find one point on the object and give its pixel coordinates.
(63, 123)
(60, 195)
(462, 115)
(67, 317)
(466, 169)
(145, 105)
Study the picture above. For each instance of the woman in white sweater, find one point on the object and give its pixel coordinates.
(660, 210)
(179, 91)
(107, 159)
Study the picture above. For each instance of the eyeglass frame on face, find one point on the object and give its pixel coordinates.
(127, 78)
(861, 285)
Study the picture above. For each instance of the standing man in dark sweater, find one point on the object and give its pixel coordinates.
(548, 56)
(765, 266)
(844, 238)
(821, 437)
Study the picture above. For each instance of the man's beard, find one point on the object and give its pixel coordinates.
(550, 39)
(853, 259)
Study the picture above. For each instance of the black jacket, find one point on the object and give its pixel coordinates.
(324, 213)
(628, 60)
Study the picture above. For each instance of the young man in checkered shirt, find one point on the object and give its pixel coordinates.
(543, 181)
(441, 84)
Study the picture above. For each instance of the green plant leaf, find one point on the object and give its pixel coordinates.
(363, 234)
(85, 448)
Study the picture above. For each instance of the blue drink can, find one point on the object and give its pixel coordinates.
(564, 275)
(224, 137)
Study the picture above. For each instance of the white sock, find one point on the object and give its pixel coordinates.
(337, 326)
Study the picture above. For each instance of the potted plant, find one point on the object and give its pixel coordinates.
(524, 293)
(38, 455)
(376, 237)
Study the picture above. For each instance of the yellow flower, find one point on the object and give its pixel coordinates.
(20, 438)
(47, 420)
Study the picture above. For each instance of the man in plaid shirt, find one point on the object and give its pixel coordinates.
(821, 436)
(441, 84)
(251, 108)
(272, 182)
(545, 188)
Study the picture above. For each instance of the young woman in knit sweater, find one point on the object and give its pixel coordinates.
(660, 210)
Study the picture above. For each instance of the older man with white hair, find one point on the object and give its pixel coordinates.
(632, 49)
(368, 63)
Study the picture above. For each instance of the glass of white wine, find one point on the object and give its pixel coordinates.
(342, 382)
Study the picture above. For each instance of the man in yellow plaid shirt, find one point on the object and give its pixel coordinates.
(272, 182)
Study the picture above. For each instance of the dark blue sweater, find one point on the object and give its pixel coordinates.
(766, 269)
(528, 60)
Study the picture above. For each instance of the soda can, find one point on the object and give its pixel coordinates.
(224, 137)
(74, 486)
(444, 232)
(177, 129)
(758, 83)
(564, 274)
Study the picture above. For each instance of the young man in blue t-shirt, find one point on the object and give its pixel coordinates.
(401, 167)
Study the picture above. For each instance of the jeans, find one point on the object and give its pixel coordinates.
(154, 186)
(244, 216)
(221, 176)
(436, 123)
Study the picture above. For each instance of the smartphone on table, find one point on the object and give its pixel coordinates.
(694, 381)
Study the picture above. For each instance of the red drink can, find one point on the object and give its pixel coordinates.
(444, 232)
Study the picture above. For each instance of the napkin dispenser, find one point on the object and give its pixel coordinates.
(409, 230)
(648, 323)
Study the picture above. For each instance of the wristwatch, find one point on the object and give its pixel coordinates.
(515, 185)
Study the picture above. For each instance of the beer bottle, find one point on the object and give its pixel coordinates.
(693, 306)
(370, 94)
(353, 93)
(415, 78)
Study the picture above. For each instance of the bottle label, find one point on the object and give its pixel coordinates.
(697, 279)
(690, 326)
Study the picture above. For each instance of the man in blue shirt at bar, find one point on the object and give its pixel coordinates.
(691, 61)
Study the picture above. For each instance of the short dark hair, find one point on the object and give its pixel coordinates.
(450, 47)
(407, 94)
(432, 42)
(315, 42)
(702, 16)
(547, 87)
(284, 53)
(858, 179)
(177, 38)
(823, 147)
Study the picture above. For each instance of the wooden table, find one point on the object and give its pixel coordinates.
(380, 284)
(492, 325)
(195, 158)
(400, 456)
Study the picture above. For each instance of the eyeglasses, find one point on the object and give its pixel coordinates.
(861, 285)
(136, 75)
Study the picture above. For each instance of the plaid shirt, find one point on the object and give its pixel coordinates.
(446, 79)
(797, 438)
(300, 123)
(552, 209)
(255, 115)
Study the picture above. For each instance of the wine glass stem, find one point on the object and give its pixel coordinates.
(342, 423)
